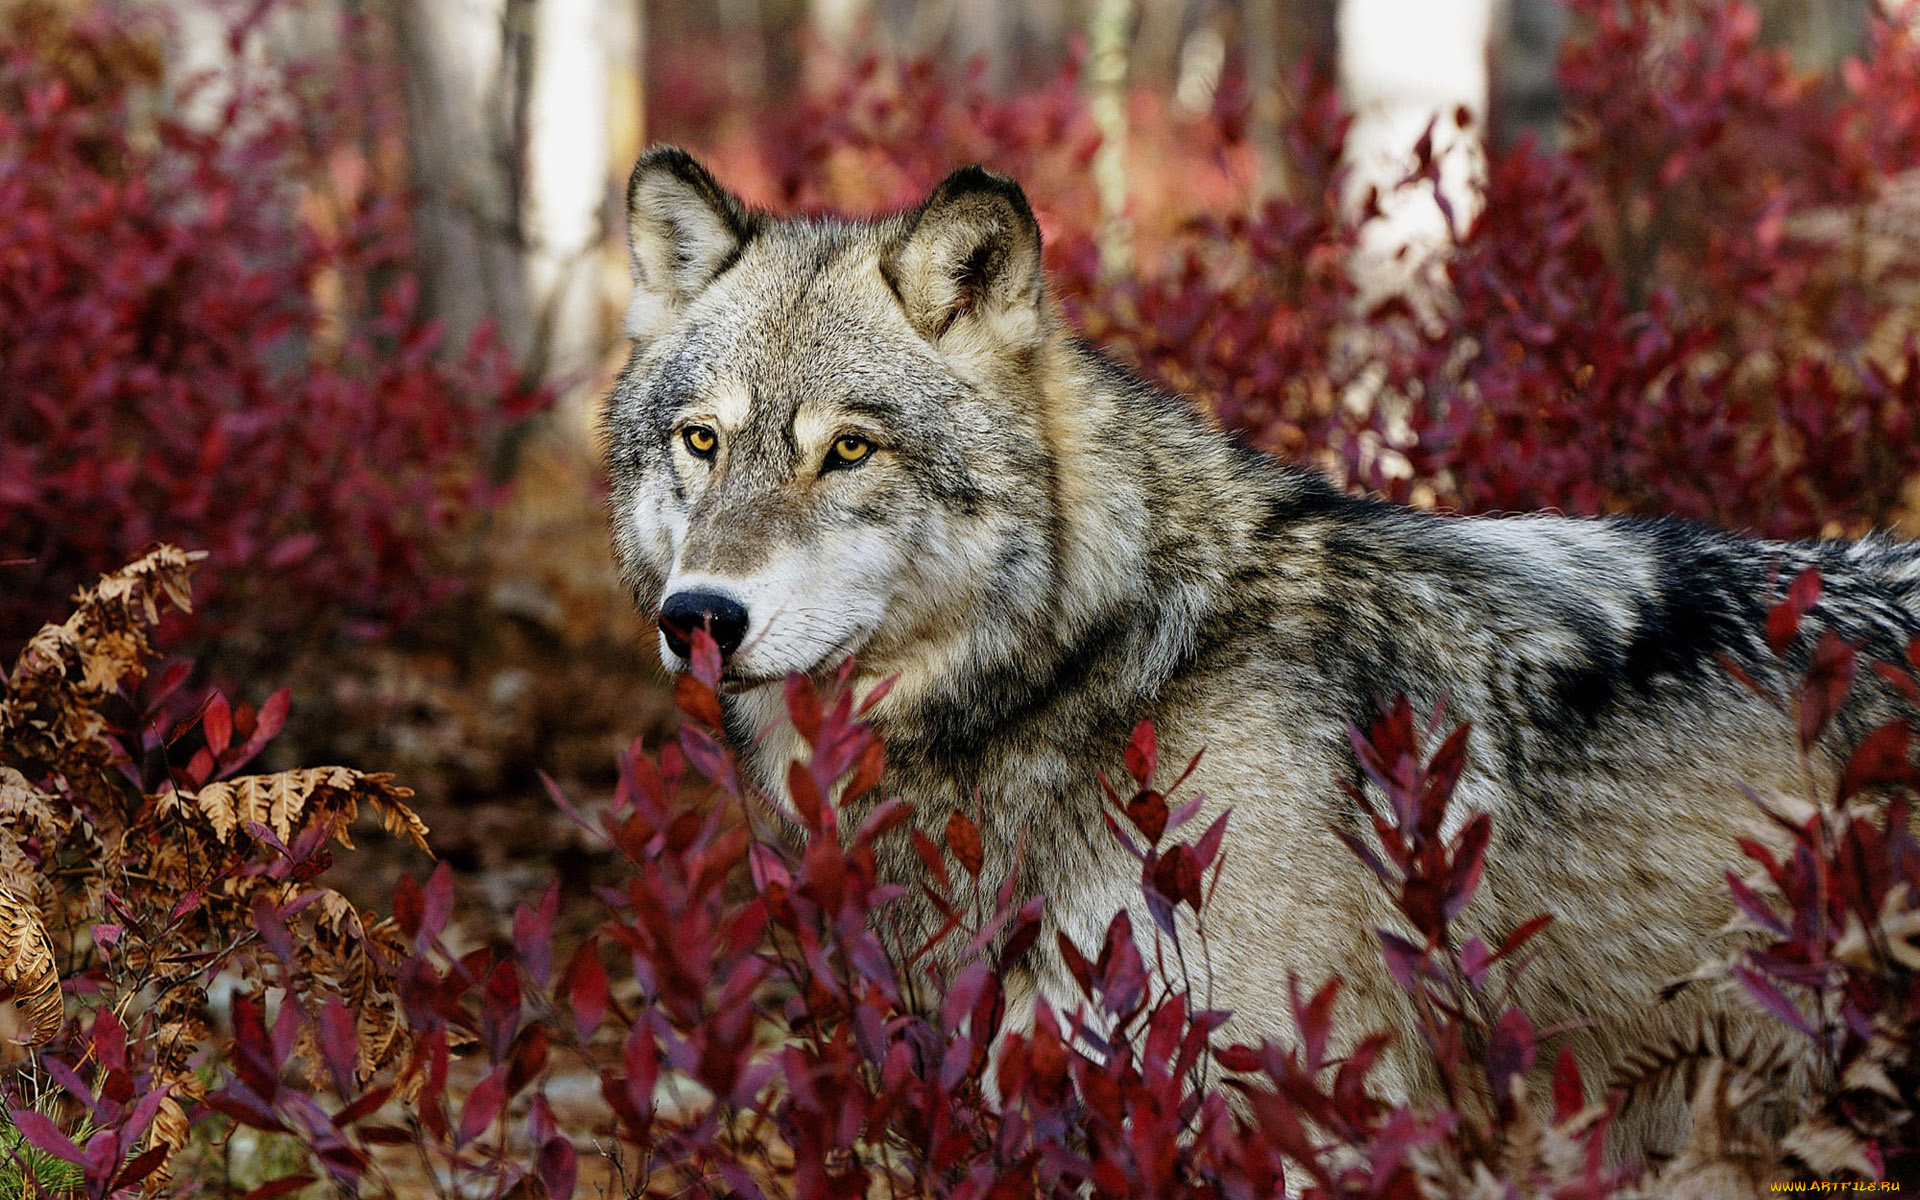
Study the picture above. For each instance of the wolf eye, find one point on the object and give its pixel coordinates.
(847, 452)
(700, 440)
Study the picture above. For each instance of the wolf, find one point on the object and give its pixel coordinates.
(878, 440)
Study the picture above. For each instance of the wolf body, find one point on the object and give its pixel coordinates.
(877, 438)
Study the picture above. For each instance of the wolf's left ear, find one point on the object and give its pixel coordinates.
(683, 229)
(968, 262)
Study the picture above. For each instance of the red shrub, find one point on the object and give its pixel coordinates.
(210, 338)
(1678, 315)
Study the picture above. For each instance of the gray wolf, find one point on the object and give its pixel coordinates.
(878, 438)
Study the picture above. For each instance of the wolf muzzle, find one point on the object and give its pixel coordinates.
(723, 617)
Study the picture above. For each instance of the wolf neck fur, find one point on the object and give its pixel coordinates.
(1108, 607)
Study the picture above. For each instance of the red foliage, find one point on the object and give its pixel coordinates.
(1837, 906)
(210, 338)
(1672, 316)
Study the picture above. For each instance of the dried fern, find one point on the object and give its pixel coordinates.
(280, 802)
(1755, 1052)
(27, 965)
(153, 894)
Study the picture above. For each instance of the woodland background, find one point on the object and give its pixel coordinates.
(331, 291)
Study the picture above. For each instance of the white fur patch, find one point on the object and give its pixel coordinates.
(808, 608)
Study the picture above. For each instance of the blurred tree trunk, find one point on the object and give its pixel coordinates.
(1109, 32)
(1523, 80)
(1820, 33)
(1156, 48)
(509, 148)
(985, 29)
(1526, 49)
(463, 71)
(1278, 34)
(568, 155)
(835, 21)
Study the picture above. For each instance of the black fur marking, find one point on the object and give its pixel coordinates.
(1703, 605)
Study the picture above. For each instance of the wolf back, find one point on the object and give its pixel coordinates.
(879, 440)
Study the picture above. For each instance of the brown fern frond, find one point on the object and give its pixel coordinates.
(285, 802)
(27, 969)
(1753, 1053)
(49, 719)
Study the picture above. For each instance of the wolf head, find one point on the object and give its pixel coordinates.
(829, 438)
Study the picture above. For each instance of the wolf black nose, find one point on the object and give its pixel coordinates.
(721, 616)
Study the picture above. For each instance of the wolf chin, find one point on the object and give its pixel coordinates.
(879, 440)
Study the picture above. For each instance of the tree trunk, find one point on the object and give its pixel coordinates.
(461, 74)
(568, 152)
(1278, 34)
(509, 149)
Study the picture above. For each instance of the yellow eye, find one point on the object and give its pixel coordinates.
(700, 440)
(847, 451)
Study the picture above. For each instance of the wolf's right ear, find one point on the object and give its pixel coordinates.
(967, 265)
(683, 229)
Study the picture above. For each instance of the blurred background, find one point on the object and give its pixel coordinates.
(332, 290)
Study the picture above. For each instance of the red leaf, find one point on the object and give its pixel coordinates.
(1026, 931)
(1077, 964)
(807, 802)
(386, 1135)
(339, 1043)
(1753, 685)
(1783, 619)
(867, 770)
(1772, 999)
(500, 1009)
(586, 988)
(43, 1135)
(409, 907)
(141, 1166)
(931, 858)
(964, 840)
(1524, 934)
(1468, 863)
(273, 715)
(1148, 812)
(529, 1058)
(705, 663)
(483, 1105)
(1880, 760)
(558, 1167)
(1829, 678)
(566, 806)
(1510, 1050)
(216, 720)
(1569, 1090)
(698, 700)
(1315, 1019)
(803, 707)
(439, 902)
(1900, 678)
(533, 935)
(1177, 877)
(1143, 753)
(1805, 591)
(363, 1106)
(1237, 1058)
